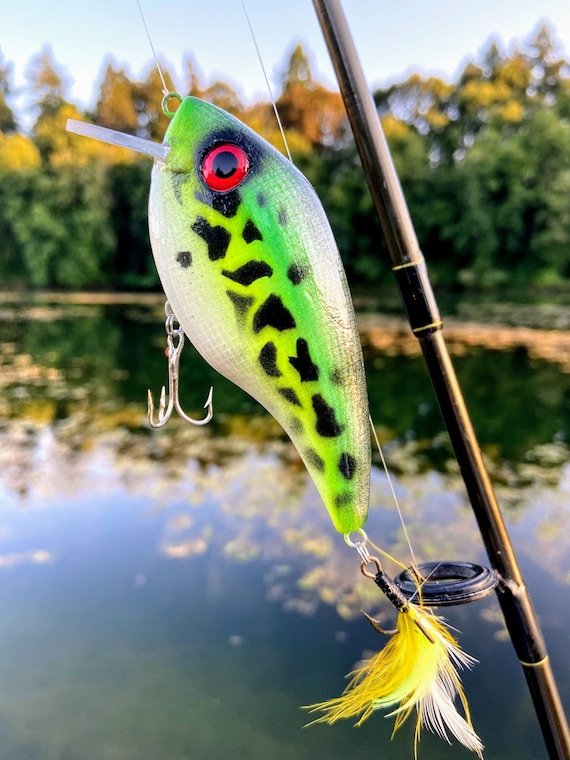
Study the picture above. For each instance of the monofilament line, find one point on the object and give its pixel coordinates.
(165, 89)
(393, 492)
(273, 103)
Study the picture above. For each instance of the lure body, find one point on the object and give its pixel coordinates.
(249, 264)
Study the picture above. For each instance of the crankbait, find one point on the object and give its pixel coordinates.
(251, 269)
(253, 275)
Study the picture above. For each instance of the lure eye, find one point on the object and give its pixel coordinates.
(224, 167)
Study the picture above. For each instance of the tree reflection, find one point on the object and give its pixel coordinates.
(236, 491)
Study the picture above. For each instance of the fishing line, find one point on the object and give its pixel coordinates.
(273, 103)
(393, 491)
(165, 89)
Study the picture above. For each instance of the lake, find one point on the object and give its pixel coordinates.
(179, 594)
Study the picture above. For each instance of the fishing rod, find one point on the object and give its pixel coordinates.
(423, 315)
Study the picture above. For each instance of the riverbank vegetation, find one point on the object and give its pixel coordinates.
(484, 162)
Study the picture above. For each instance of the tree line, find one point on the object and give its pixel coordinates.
(484, 162)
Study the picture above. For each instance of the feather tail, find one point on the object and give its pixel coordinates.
(417, 668)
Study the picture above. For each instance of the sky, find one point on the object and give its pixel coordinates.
(393, 38)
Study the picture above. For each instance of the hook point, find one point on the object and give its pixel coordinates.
(377, 627)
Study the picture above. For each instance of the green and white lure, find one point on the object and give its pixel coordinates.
(252, 272)
(251, 269)
(250, 266)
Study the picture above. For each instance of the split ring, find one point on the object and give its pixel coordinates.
(360, 541)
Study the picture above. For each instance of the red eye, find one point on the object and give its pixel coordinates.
(224, 167)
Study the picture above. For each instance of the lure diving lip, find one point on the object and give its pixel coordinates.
(112, 137)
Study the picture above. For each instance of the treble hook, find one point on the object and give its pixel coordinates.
(175, 342)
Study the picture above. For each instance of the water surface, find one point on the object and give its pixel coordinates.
(180, 594)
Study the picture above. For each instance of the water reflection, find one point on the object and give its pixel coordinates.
(179, 593)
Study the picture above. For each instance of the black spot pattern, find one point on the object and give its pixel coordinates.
(184, 258)
(249, 272)
(297, 273)
(315, 460)
(242, 304)
(308, 372)
(327, 424)
(216, 238)
(347, 465)
(261, 200)
(337, 376)
(282, 217)
(226, 203)
(250, 232)
(268, 358)
(296, 425)
(344, 499)
(290, 395)
(272, 313)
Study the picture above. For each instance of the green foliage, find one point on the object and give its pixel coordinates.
(514, 221)
(347, 201)
(55, 229)
(484, 163)
(132, 265)
(490, 208)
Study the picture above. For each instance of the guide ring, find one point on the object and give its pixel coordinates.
(448, 583)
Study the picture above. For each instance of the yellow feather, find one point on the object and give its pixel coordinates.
(417, 668)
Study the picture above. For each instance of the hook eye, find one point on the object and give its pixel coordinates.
(166, 102)
(371, 561)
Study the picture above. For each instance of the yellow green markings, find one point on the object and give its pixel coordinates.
(285, 359)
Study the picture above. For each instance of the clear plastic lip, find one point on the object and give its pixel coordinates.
(111, 136)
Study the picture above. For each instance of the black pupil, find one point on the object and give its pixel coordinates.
(225, 164)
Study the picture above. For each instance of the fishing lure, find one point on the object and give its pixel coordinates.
(248, 262)
(251, 270)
